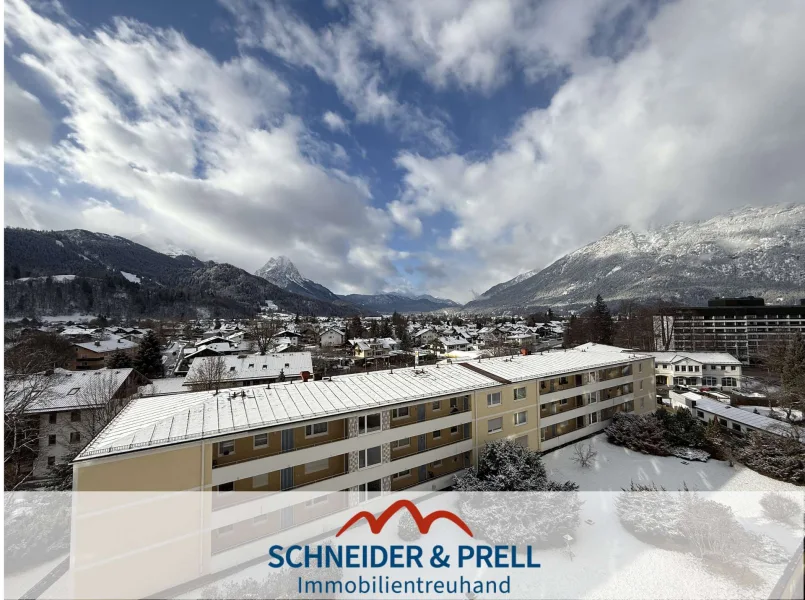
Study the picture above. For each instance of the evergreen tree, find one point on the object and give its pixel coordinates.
(385, 328)
(602, 328)
(149, 357)
(374, 330)
(405, 340)
(356, 328)
(549, 316)
(119, 360)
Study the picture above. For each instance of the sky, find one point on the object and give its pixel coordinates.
(419, 146)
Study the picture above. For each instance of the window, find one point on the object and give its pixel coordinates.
(736, 426)
(639, 367)
(75, 437)
(225, 448)
(453, 403)
(261, 440)
(52, 418)
(437, 405)
(259, 481)
(522, 441)
(563, 401)
(73, 392)
(287, 365)
(641, 385)
(51, 440)
(454, 430)
(231, 369)
(521, 418)
(696, 368)
(437, 435)
(369, 457)
(593, 417)
(405, 473)
(400, 413)
(226, 487)
(728, 382)
(265, 368)
(732, 368)
(317, 465)
(251, 365)
(642, 402)
(493, 399)
(665, 366)
(436, 464)
(519, 393)
(676, 367)
(700, 414)
(317, 500)
(494, 425)
(75, 416)
(369, 423)
(51, 461)
(709, 381)
(723, 367)
(403, 443)
(316, 429)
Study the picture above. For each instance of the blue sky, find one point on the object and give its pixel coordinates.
(438, 147)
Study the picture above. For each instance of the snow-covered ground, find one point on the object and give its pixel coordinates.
(16, 584)
(75, 318)
(56, 278)
(609, 562)
(130, 276)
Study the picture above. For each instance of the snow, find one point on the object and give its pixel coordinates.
(60, 243)
(16, 584)
(55, 278)
(130, 276)
(75, 317)
(615, 270)
(766, 411)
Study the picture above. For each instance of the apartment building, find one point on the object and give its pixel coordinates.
(739, 326)
(410, 429)
(698, 369)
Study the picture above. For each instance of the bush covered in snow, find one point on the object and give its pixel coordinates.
(37, 528)
(681, 428)
(548, 509)
(778, 456)
(642, 433)
(651, 517)
(780, 508)
(690, 453)
(407, 528)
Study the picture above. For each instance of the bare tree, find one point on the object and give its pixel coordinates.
(21, 427)
(584, 455)
(784, 381)
(263, 331)
(209, 373)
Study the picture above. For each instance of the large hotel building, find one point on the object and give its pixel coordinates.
(410, 429)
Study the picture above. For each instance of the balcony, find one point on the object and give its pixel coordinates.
(430, 472)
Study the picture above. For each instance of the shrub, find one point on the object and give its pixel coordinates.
(407, 528)
(780, 508)
(779, 457)
(642, 433)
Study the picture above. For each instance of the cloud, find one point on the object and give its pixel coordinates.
(28, 129)
(700, 116)
(179, 145)
(338, 54)
(334, 121)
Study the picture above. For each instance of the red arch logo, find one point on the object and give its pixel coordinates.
(423, 523)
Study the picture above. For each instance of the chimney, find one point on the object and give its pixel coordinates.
(524, 352)
(305, 376)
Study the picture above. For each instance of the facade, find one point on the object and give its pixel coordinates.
(94, 355)
(740, 326)
(331, 338)
(410, 429)
(698, 369)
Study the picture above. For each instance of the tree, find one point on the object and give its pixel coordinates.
(45, 350)
(437, 346)
(584, 455)
(373, 329)
(385, 328)
(356, 329)
(602, 326)
(210, 373)
(263, 331)
(785, 362)
(149, 357)
(119, 360)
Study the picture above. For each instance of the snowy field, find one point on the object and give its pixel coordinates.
(609, 562)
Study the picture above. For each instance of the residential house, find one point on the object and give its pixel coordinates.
(425, 336)
(95, 354)
(331, 338)
(254, 369)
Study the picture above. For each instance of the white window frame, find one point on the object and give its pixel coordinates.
(256, 478)
(454, 430)
(436, 405)
(312, 428)
(436, 435)
(525, 393)
(396, 413)
(257, 446)
(517, 415)
(436, 464)
(365, 454)
(366, 422)
(318, 465)
(222, 452)
(491, 396)
(402, 474)
(403, 443)
(489, 425)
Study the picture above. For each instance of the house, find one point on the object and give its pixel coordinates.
(698, 369)
(423, 337)
(71, 408)
(254, 369)
(454, 343)
(95, 354)
(331, 338)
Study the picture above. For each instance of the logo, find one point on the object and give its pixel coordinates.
(423, 523)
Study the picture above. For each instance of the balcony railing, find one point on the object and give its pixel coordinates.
(454, 439)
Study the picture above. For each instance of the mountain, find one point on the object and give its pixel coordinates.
(757, 251)
(283, 273)
(387, 303)
(77, 271)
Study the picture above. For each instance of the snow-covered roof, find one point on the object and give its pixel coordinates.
(733, 413)
(110, 345)
(705, 358)
(453, 341)
(164, 385)
(213, 339)
(67, 389)
(593, 347)
(253, 366)
(158, 421)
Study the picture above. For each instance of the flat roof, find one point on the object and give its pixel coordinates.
(734, 413)
(163, 420)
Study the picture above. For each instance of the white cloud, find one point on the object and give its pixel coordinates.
(28, 127)
(334, 121)
(702, 116)
(184, 147)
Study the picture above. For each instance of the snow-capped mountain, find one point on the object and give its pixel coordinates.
(758, 251)
(389, 302)
(283, 273)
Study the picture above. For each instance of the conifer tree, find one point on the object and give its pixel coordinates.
(149, 357)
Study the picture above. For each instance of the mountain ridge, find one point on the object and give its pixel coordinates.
(752, 250)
